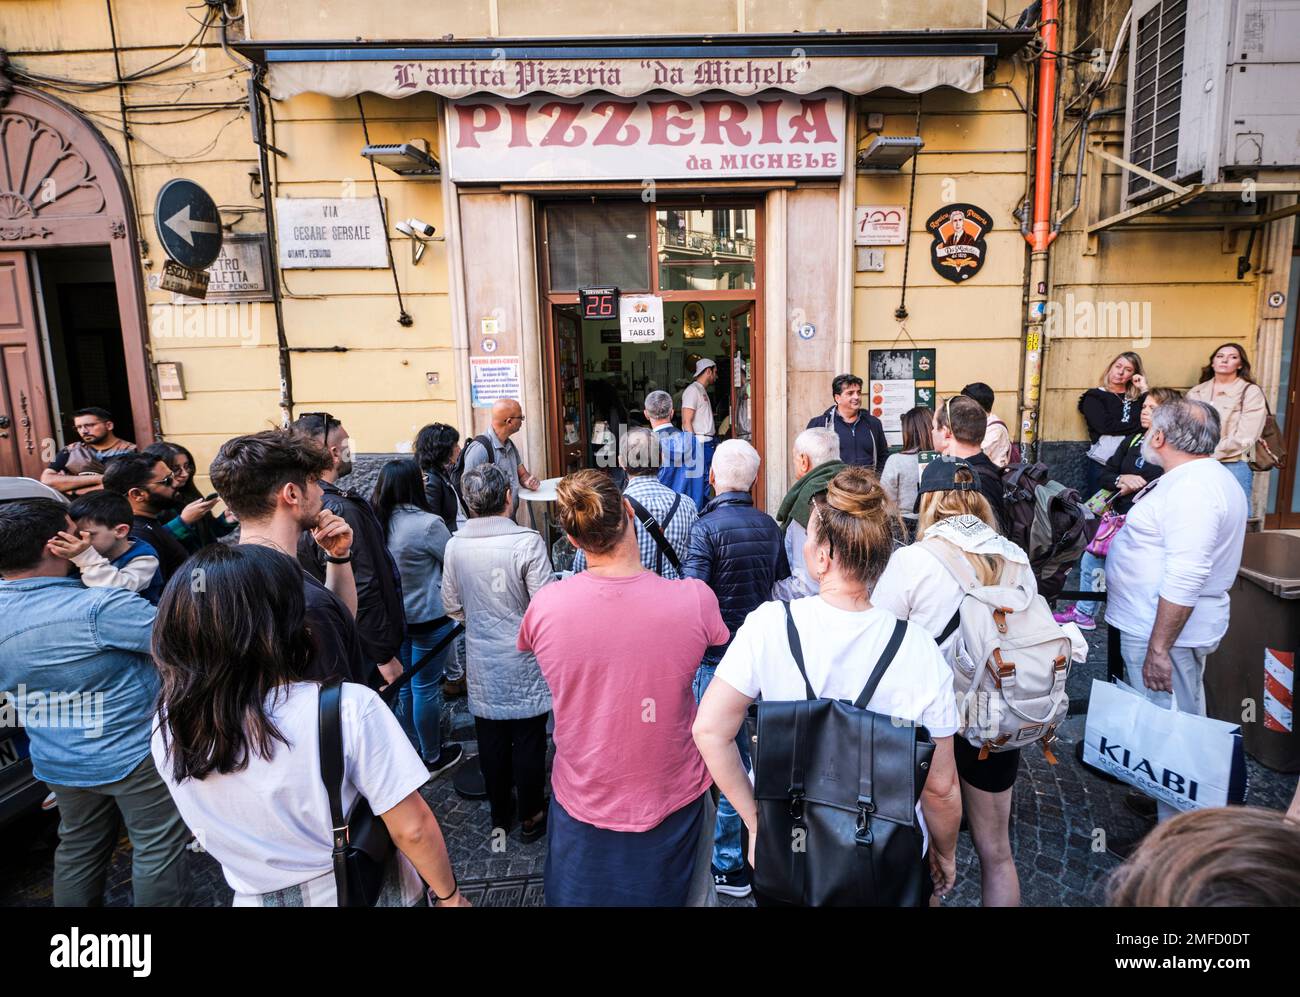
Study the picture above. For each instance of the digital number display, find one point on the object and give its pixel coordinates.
(598, 302)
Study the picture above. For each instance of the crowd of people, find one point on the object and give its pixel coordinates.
(211, 630)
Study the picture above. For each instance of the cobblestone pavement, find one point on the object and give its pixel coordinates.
(1058, 812)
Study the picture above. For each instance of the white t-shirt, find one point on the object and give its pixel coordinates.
(1181, 542)
(840, 649)
(697, 397)
(269, 824)
(917, 586)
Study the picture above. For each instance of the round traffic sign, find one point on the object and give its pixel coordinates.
(188, 224)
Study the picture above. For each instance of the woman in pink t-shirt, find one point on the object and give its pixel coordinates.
(631, 820)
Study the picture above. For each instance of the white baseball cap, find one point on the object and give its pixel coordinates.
(703, 364)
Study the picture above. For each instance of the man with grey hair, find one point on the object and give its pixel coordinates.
(491, 570)
(737, 551)
(1169, 569)
(816, 460)
(681, 466)
(663, 517)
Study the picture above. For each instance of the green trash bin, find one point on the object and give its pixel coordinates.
(1253, 668)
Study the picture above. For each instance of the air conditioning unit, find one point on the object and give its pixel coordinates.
(1212, 91)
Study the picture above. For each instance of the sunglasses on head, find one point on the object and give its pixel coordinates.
(325, 420)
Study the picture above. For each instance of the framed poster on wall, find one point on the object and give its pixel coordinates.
(898, 380)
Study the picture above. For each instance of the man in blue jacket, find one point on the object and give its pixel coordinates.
(76, 661)
(862, 436)
(738, 552)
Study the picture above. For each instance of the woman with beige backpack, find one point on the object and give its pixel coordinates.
(960, 560)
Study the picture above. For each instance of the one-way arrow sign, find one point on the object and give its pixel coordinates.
(183, 225)
(188, 224)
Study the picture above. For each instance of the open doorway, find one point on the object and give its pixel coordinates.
(703, 257)
(84, 353)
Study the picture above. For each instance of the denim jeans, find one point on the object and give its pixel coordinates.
(727, 855)
(1092, 578)
(419, 702)
(1240, 470)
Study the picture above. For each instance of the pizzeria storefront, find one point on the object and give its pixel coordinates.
(614, 211)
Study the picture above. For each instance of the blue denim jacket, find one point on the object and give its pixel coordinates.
(76, 661)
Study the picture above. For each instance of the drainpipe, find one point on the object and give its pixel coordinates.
(1041, 235)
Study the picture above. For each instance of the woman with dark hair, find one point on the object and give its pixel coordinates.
(437, 446)
(902, 474)
(237, 735)
(189, 518)
(631, 818)
(417, 539)
(1227, 385)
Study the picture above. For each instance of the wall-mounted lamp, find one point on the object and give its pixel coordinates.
(409, 159)
(889, 152)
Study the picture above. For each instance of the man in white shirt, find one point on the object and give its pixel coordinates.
(697, 409)
(1170, 568)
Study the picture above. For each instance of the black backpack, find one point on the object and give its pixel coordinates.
(1047, 521)
(836, 787)
(458, 471)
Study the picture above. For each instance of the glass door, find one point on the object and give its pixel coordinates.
(741, 368)
(1283, 509)
(569, 424)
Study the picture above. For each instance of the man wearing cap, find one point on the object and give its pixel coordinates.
(697, 409)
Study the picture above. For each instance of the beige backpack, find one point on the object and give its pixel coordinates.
(1012, 658)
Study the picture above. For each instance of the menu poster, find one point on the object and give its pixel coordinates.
(899, 380)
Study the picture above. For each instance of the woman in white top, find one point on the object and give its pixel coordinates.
(237, 741)
(902, 474)
(918, 587)
(843, 634)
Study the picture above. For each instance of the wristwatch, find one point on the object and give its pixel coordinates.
(345, 559)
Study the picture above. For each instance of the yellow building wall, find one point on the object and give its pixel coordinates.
(975, 152)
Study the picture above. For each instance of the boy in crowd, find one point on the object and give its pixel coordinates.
(103, 549)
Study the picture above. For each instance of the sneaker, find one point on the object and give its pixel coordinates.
(453, 688)
(733, 884)
(1072, 615)
(452, 754)
(530, 832)
(51, 802)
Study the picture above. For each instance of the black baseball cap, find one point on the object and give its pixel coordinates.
(941, 473)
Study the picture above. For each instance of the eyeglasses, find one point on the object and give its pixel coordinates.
(515, 418)
(165, 482)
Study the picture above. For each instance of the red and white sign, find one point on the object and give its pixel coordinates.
(655, 136)
(1279, 689)
(880, 225)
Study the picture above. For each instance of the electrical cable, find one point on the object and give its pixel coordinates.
(403, 318)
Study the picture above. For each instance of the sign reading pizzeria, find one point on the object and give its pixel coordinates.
(958, 250)
(664, 136)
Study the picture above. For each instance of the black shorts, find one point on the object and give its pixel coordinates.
(995, 774)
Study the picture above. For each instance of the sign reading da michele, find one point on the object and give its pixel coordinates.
(661, 136)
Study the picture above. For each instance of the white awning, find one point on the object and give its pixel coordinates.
(506, 77)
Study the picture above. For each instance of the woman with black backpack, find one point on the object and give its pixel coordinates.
(807, 660)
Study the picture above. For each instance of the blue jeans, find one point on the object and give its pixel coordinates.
(1092, 578)
(726, 828)
(1240, 470)
(419, 702)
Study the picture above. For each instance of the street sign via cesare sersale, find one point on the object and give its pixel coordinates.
(188, 224)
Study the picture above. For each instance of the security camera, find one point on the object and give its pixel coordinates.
(416, 228)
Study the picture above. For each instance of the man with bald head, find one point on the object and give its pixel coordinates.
(507, 419)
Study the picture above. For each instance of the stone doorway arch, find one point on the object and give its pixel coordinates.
(61, 185)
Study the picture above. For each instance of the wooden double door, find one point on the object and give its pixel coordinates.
(26, 432)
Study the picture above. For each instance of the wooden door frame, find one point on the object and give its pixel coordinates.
(32, 220)
(710, 199)
(30, 420)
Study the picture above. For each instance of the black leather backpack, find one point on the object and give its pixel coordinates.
(836, 787)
